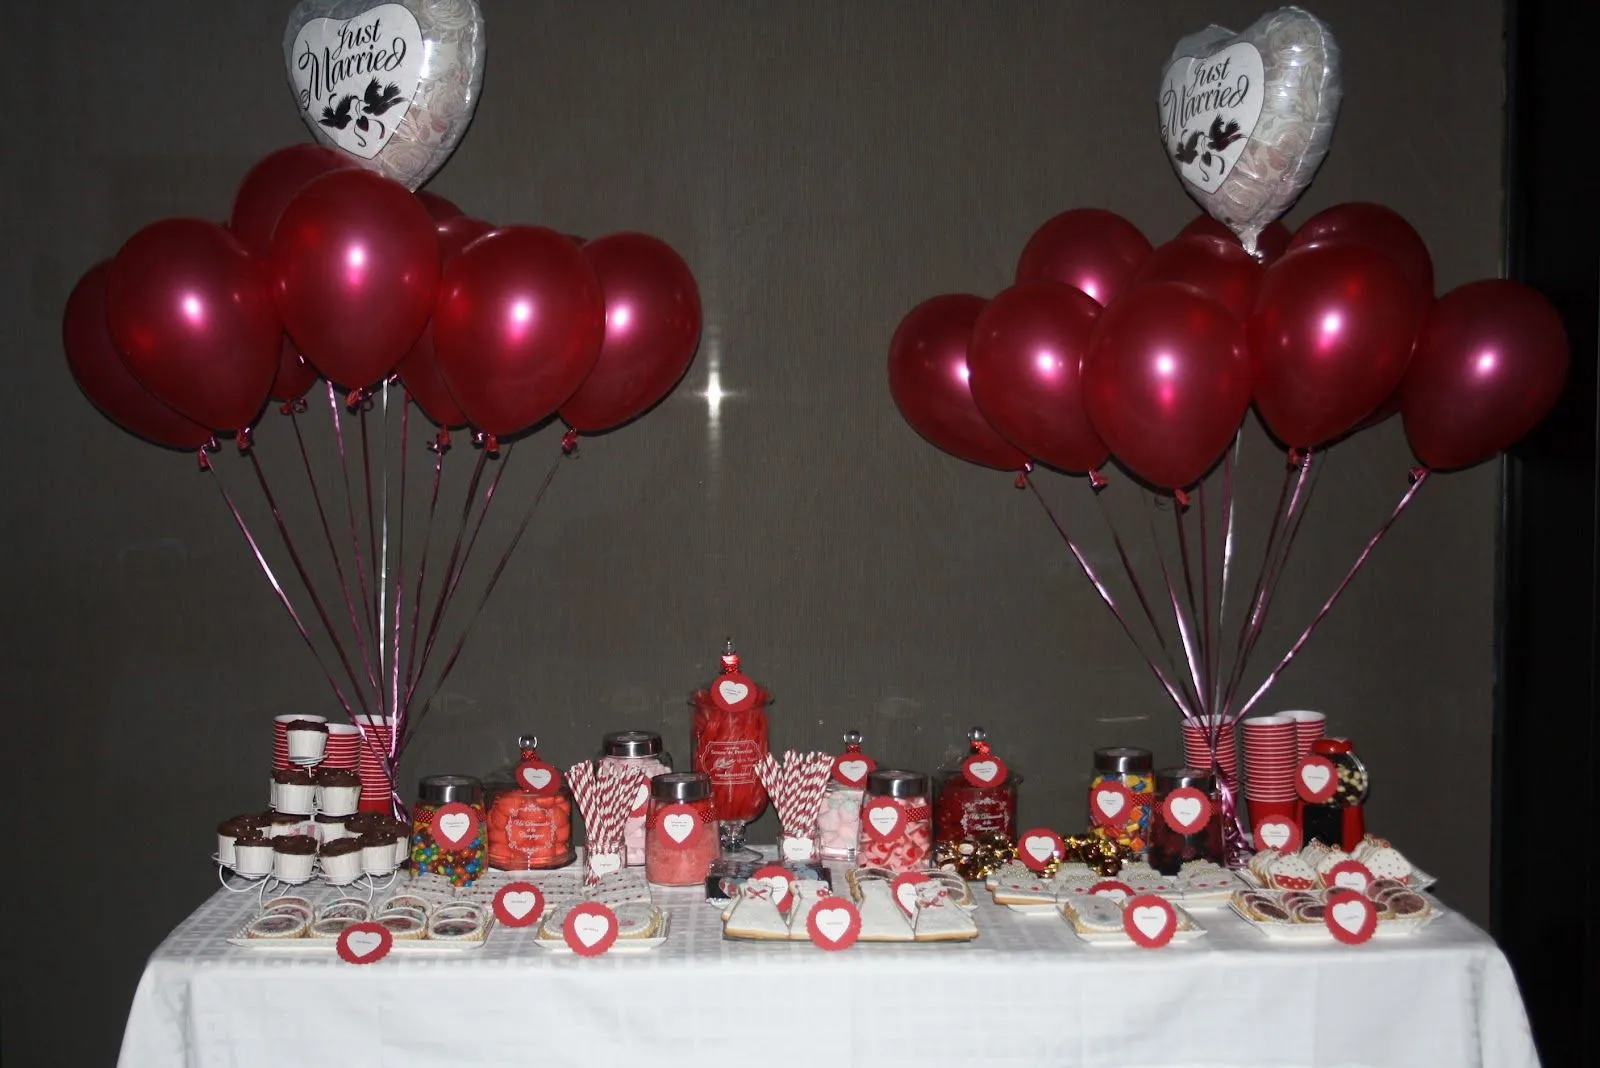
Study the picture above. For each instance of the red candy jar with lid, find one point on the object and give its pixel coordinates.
(680, 840)
(530, 818)
(976, 797)
(896, 821)
(728, 734)
(1339, 818)
(1187, 822)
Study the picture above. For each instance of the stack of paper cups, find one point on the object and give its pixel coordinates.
(1307, 729)
(344, 743)
(373, 745)
(1197, 746)
(1271, 754)
(280, 739)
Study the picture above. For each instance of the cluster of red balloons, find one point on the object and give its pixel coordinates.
(329, 270)
(1106, 346)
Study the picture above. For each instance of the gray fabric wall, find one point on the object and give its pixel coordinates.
(822, 167)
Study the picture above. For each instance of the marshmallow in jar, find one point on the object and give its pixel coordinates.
(839, 819)
(896, 821)
(641, 750)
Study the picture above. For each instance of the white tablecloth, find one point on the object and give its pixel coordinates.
(1026, 993)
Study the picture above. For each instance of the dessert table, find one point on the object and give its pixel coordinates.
(1027, 992)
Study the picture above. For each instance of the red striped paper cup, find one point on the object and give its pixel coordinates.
(1270, 756)
(1308, 727)
(344, 745)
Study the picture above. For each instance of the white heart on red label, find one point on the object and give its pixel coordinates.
(904, 888)
(1316, 779)
(883, 817)
(832, 923)
(1040, 847)
(733, 692)
(364, 943)
(519, 903)
(1151, 921)
(1350, 917)
(535, 777)
(1110, 802)
(1275, 832)
(854, 770)
(798, 848)
(984, 769)
(603, 864)
(1186, 810)
(678, 826)
(590, 929)
(1315, 776)
(454, 825)
(1350, 875)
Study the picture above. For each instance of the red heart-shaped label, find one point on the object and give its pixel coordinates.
(1149, 920)
(455, 825)
(1316, 779)
(852, 769)
(984, 769)
(538, 778)
(733, 692)
(1038, 847)
(364, 943)
(1350, 917)
(1110, 804)
(882, 818)
(904, 888)
(1186, 810)
(589, 929)
(779, 881)
(1115, 889)
(1278, 832)
(833, 923)
(518, 904)
(679, 826)
(1349, 875)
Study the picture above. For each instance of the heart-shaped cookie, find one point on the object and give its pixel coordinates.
(1247, 117)
(392, 85)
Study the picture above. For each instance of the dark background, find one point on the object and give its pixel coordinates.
(822, 167)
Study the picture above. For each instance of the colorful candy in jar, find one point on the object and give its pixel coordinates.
(896, 821)
(642, 750)
(681, 830)
(728, 735)
(839, 821)
(447, 828)
(978, 796)
(530, 820)
(1340, 819)
(1122, 795)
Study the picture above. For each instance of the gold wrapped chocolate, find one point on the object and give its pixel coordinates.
(1102, 855)
(975, 859)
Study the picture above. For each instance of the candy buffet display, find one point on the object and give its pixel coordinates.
(728, 738)
(977, 796)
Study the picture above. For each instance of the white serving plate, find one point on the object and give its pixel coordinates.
(402, 947)
(1117, 938)
(621, 947)
(1419, 881)
(1318, 932)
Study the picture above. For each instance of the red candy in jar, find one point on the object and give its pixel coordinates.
(978, 796)
(728, 736)
(896, 821)
(681, 830)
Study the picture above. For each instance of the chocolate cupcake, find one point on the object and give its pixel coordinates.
(362, 822)
(294, 791)
(252, 856)
(338, 791)
(377, 853)
(283, 823)
(307, 739)
(331, 828)
(230, 830)
(341, 861)
(294, 856)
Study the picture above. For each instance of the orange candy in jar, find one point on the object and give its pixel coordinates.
(530, 824)
(681, 830)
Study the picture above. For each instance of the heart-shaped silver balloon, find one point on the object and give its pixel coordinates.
(393, 85)
(1246, 118)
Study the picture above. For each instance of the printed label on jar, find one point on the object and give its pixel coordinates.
(531, 829)
(678, 824)
(1110, 803)
(984, 769)
(1316, 779)
(538, 778)
(730, 763)
(1186, 810)
(455, 825)
(983, 815)
(883, 818)
(799, 849)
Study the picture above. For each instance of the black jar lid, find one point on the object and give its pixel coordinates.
(680, 786)
(1122, 759)
(447, 789)
(1170, 779)
(634, 744)
(900, 784)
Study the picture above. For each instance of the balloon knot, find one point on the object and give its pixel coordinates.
(244, 439)
(202, 459)
(487, 442)
(359, 399)
(1097, 481)
(1021, 480)
(441, 441)
(1181, 497)
(1298, 457)
(1417, 474)
(569, 441)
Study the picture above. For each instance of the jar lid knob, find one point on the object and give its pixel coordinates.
(730, 659)
(527, 741)
(976, 734)
(852, 739)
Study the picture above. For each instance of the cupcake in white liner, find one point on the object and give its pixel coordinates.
(294, 857)
(294, 791)
(377, 853)
(281, 823)
(252, 856)
(307, 738)
(332, 828)
(341, 861)
(231, 830)
(338, 791)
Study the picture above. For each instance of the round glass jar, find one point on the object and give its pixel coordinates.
(971, 805)
(463, 863)
(896, 821)
(1193, 831)
(1341, 820)
(531, 829)
(680, 840)
(1131, 769)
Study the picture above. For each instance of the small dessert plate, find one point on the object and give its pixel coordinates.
(621, 947)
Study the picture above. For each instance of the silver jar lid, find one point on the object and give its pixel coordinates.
(680, 786)
(634, 744)
(447, 789)
(1170, 779)
(1121, 759)
(899, 784)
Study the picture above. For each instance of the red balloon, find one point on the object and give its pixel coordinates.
(518, 326)
(929, 380)
(1272, 243)
(1166, 381)
(1329, 340)
(1026, 356)
(355, 262)
(105, 379)
(652, 330)
(270, 185)
(192, 315)
(1490, 363)
(1222, 270)
(295, 374)
(438, 206)
(1376, 227)
(419, 370)
(1087, 248)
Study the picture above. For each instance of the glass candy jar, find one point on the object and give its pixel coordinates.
(530, 817)
(447, 825)
(1187, 822)
(896, 821)
(1122, 795)
(1340, 820)
(680, 840)
(641, 750)
(728, 738)
(976, 797)
(839, 820)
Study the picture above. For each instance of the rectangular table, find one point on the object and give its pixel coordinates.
(1026, 993)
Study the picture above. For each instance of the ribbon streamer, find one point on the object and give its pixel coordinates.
(350, 504)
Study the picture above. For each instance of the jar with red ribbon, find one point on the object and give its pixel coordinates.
(447, 828)
(530, 818)
(978, 796)
(1122, 795)
(680, 841)
(896, 821)
(839, 820)
(1187, 822)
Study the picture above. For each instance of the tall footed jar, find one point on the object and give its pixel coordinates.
(728, 736)
(839, 821)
